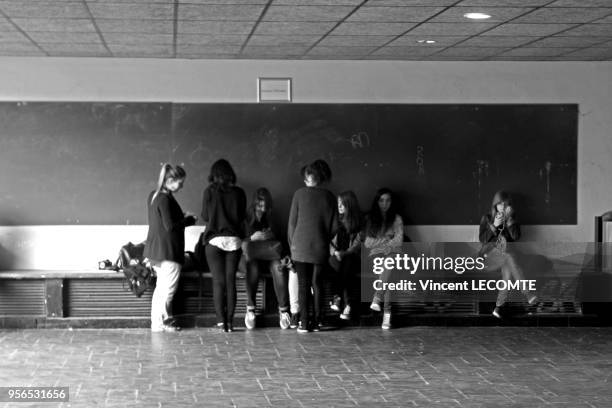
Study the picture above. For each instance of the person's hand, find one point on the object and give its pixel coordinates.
(338, 255)
(499, 219)
(257, 236)
(266, 234)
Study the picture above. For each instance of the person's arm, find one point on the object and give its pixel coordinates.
(488, 231)
(205, 206)
(333, 245)
(292, 222)
(169, 220)
(398, 233)
(355, 244)
(513, 231)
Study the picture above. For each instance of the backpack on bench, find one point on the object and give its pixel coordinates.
(138, 274)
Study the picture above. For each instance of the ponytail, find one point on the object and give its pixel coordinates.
(167, 171)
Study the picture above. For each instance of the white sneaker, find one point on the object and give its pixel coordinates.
(386, 323)
(284, 320)
(249, 319)
(375, 306)
(346, 313)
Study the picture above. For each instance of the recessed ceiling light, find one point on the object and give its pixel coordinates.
(477, 16)
(426, 41)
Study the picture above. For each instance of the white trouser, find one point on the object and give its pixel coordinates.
(167, 281)
(293, 292)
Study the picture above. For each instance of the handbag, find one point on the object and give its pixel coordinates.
(269, 250)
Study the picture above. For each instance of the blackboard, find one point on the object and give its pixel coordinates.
(80, 162)
(94, 163)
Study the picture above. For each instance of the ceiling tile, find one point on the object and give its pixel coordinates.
(207, 56)
(283, 40)
(218, 39)
(504, 3)
(590, 30)
(141, 48)
(393, 14)
(411, 3)
(63, 37)
(135, 26)
(12, 36)
(472, 51)
(605, 20)
(410, 40)
(562, 41)
(317, 2)
(19, 46)
(297, 28)
(220, 12)
(355, 40)
(220, 2)
(265, 51)
(454, 29)
(138, 38)
(215, 27)
(35, 52)
(307, 13)
(207, 49)
(564, 15)
(597, 52)
(537, 52)
(580, 3)
(536, 30)
(55, 24)
(498, 14)
(496, 41)
(25, 9)
(341, 51)
(406, 51)
(372, 28)
(75, 49)
(149, 11)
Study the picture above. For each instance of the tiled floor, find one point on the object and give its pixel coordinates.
(365, 367)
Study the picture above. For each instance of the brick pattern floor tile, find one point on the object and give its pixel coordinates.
(356, 367)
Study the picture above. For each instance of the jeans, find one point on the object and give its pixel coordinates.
(383, 295)
(309, 275)
(279, 277)
(344, 276)
(505, 261)
(168, 273)
(223, 266)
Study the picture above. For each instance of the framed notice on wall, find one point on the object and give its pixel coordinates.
(274, 90)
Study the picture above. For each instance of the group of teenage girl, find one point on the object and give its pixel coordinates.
(324, 231)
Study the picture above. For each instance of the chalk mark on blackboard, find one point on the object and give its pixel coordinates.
(420, 160)
(360, 140)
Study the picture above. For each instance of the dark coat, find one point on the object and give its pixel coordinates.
(166, 235)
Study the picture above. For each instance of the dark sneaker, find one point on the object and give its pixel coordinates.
(302, 328)
(336, 304)
(316, 326)
(295, 320)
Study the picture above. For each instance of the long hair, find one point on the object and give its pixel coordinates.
(168, 172)
(261, 194)
(222, 173)
(501, 196)
(351, 219)
(376, 222)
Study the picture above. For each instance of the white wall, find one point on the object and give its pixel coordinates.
(588, 84)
